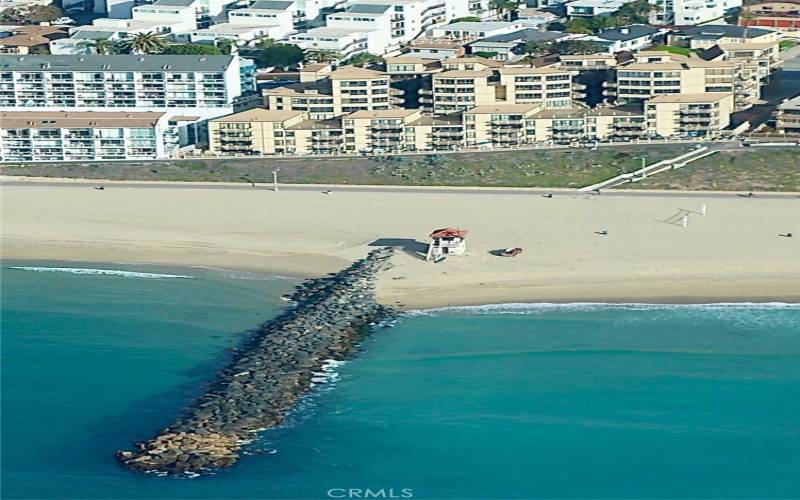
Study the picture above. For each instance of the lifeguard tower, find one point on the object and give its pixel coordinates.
(446, 242)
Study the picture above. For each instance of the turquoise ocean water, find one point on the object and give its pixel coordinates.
(499, 402)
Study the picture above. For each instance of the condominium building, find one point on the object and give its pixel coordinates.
(653, 74)
(460, 90)
(505, 125)
(590, 8)
(345, 90)
(779, 15)
(268, 132)
(204, 86)
(383, 131)
(690, 12)
(508, 46)
(378, 26)
(30, 136)
(789, 117)
(693, 115)
(764, 55)
(708, 35)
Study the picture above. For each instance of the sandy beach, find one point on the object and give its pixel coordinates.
(734, 253)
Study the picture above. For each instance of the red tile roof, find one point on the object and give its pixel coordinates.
(450, 232)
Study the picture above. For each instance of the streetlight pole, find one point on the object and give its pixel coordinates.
(275, 179)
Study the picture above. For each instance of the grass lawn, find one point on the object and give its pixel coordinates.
(533, 168)
(757, 169)
(672, 49)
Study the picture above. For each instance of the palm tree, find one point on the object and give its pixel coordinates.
(505, 8)
(100, 47)
(265, 43)
(744, 17)
(146, 43)
(364, 59)
(321, 56)
(533, 50)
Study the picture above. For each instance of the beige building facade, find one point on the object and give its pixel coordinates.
(698, 115)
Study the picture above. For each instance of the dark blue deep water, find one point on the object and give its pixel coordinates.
(580, 401)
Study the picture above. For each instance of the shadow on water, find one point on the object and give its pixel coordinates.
(410, 246)
(145, 418)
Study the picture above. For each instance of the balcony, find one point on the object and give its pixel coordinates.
(387, 126)
(516, 124)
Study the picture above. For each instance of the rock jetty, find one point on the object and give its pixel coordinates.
(275, 367)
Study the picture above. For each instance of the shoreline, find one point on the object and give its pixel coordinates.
(520, 303)
(734, 253)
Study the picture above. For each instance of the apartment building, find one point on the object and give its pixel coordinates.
(345, 90)
(505, 125)
(253, 132)
(180, 15)
(708, 35)
(383, 131)
(33, 136)
(626, 38)
(764, 55)
(202, 86)
(692, 115)
(272, 19)
(653, 74)
(268, 132)
(343, 41)
(590, 8)
(789, 117)
(781, 15)
(508, 46)
(460, 90)
(471, 31)
(690, 12)
(427, 48)
(200, 11)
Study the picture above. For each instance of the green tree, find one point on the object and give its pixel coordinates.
(506, 9)
(278, 55)
(146, 43)
(467, 19)
(102, 47)
(321, 56)
(579, 25)
(532, 50)
(226, 46)
(30, 14)
(576, 47)
(485, 54)
(192, 49)
(365, 59)
(636, 12)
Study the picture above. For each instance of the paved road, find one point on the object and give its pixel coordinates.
(368, 189)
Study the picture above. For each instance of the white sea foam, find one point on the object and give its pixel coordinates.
(245, 275)
(108, 272)
(541, 307)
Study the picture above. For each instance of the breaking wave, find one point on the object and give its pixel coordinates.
(106, 272)
(541, 307)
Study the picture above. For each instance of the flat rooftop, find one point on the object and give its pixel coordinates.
(118, 62)
(384, 113)
(78, 119)
(690, 98)
(259, 115)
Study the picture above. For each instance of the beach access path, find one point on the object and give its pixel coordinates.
(734, 253)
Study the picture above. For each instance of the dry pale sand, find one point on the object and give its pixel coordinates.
(733, 253)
